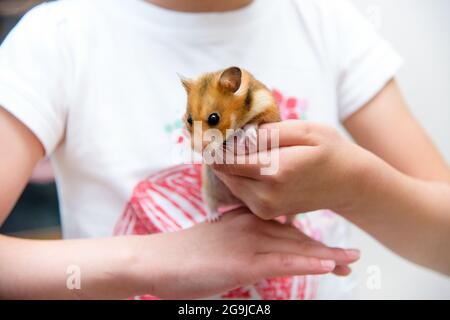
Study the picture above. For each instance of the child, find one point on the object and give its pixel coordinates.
(93, 84)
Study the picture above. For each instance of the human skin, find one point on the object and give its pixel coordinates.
(394, 185)
(126, 266)
(201, 5)
(198, 262)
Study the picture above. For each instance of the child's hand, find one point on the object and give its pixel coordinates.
(240, 249)
(317, 169)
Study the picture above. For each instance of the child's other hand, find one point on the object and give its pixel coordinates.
(317, 169)
(240, 249)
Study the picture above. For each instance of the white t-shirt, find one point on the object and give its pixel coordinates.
(96, 81)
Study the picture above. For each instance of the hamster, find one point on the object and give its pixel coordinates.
(221, 100)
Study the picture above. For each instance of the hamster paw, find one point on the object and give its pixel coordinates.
(213, 216)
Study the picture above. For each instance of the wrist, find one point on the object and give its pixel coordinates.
(136, 270)
(371, 182)
(152, 267)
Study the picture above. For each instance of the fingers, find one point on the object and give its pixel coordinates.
(236, 183)
(272, 138)
(249, 165)
(284, 264)
(288, 239)
(292, 133)
(289, 264)
(283, 230)
(241, 166)
(342, 271)
(311, 248)
(265, 164)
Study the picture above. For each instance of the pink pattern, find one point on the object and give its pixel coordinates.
(290, 107)
(170, 200)
(160, 204)
(178, 188)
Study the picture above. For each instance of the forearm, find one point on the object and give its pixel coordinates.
(48, 269)
(197, 262)
(408, 215)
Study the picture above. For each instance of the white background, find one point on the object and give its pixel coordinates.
(419, 30)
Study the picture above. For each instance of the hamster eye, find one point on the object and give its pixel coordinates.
(213, 119)
(189, 120)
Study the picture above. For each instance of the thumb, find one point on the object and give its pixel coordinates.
(228, 180)
(234, 183)
(289, 133)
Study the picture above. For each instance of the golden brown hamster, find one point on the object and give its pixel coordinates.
(221, 100)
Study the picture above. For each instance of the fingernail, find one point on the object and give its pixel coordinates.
(328, 264)
(353, 253)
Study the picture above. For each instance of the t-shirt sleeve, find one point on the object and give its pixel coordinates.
(33, 75)
(365, 61)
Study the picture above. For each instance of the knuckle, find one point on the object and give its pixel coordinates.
(323, 154)
(308, 263)
(286, 173)
(250, 228)
(273, 178)
(306, 128)
(312, 263)
(322, 132)
(264, 208)
(287, 261)
(323, 129)
(279, 177)
(303, 246)
(333, 132)
(308, 131)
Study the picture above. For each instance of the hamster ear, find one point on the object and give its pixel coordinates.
(186, 82)
(230, 79)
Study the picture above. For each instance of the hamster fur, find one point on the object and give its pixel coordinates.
(226, 99)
